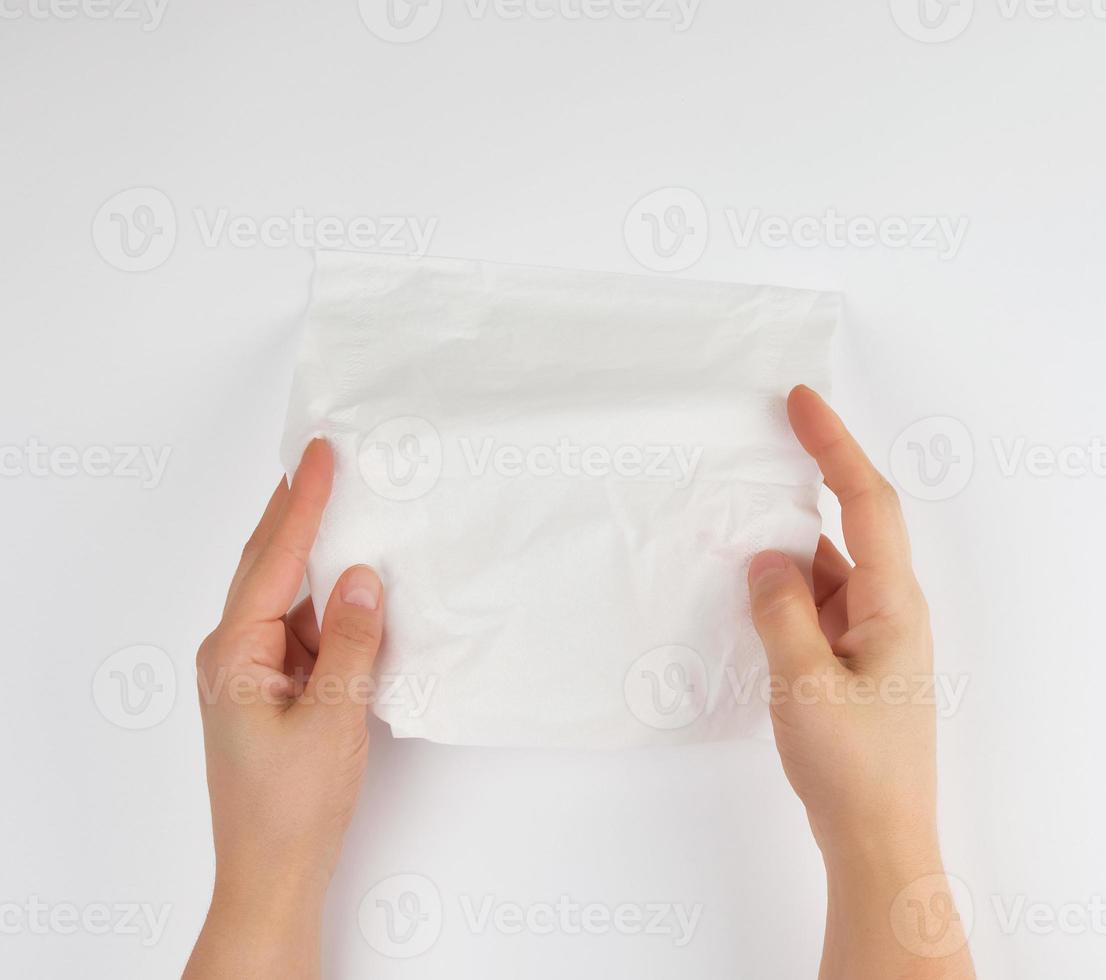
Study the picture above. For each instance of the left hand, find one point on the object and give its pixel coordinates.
(284, 711)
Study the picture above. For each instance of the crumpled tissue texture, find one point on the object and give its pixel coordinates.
(561, 477)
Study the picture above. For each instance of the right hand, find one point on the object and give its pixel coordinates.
(860, 768)
(855, 721)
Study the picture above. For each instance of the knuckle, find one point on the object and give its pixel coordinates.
(917, 596)
(357, 632)
(206, 654)
(918, 604)
(886, 491)
(251, 549)
(906, 599)
(286, 548)
(776, 606)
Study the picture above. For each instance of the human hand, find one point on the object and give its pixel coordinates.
(286, 737)
(857, 742)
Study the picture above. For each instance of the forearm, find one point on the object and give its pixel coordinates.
(891, 916)
(260, 931)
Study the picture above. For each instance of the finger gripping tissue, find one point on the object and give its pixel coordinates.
(561, 478)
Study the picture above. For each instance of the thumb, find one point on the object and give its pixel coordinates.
(785, 617)
(350, 638)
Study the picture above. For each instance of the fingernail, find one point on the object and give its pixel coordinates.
(807, 389)
(765, 563)
(361, 587)
(314, 445)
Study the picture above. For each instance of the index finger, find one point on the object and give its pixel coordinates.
(871, 517)
(270, 584)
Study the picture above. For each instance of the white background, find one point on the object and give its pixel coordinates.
(530, 140)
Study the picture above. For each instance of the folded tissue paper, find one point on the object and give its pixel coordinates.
(561, 478)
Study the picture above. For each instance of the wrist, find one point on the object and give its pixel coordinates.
(891, 911)
(885, 856)
(900, 838)
(271, 895)
(260, 925)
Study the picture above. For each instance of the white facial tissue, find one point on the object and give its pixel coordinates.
(561, 478)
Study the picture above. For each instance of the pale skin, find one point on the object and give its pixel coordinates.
(285, 729)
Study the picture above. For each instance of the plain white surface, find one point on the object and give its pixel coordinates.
(531, 141)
